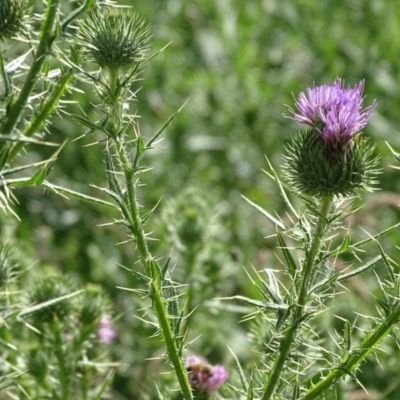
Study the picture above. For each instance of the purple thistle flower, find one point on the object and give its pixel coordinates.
(334, 111)
(203, 376)
(105, 331)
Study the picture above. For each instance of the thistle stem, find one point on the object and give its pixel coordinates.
(307, 272)
(153, 270)
(357, 356)
(6, 81)
(47, 36)
(62, 368)
(39, 119)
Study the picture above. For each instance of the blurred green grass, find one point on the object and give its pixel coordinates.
(237, 63)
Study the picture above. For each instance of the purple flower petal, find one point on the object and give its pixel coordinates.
(105, 331)
(335, 111)
(204, 376)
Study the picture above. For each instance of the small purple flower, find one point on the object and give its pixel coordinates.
(203, 376)
(335, 111)
(105, 331)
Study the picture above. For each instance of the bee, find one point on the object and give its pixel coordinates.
(200, 367)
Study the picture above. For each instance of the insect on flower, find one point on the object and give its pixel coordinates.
(200, 367)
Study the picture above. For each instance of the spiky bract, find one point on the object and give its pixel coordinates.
(13, 15)
(314, 169)
(50, 288)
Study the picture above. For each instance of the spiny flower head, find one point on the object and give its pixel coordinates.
(13, 15)
(203, 376)
(330, 159)
(115, 38)
(47, 289)
(335, 111)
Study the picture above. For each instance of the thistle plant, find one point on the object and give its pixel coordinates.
(116, 40)
(324, 166)
(49, 332)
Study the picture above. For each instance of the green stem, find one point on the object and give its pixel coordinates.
(39, 119)
(190, 263)
(152, 270)
(47, 37)
(84, 385)
(358, 356)
(63, 375)
(6, 81)
(307, 272)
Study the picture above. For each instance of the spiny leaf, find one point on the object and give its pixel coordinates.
(266, 214)
(88, 123)
(242, 376)
(20, 168)
(250, 395)
(140, 149)
(77, 195)
(24, 139)
(272, 287)
(45, 304)
(386, 262)
(290, 263)
(378, 235)
(282, 190)
(361, 269)
(296, 391)
(166, 124)
(282, 316)
(397, 155)
(347, 336)
(261, 304)
(41, 174)
(345, 246)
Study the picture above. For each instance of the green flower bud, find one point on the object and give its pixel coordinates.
(12, 17)
(93, 305)
(315, 169)
(189, 219)
(50, 288)
(114, 38)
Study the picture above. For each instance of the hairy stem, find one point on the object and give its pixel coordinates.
(307, 271)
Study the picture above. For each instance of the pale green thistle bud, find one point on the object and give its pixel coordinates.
(115, 38)
(13, 15)
(93, 304)
(331, 159)
(49, 288)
